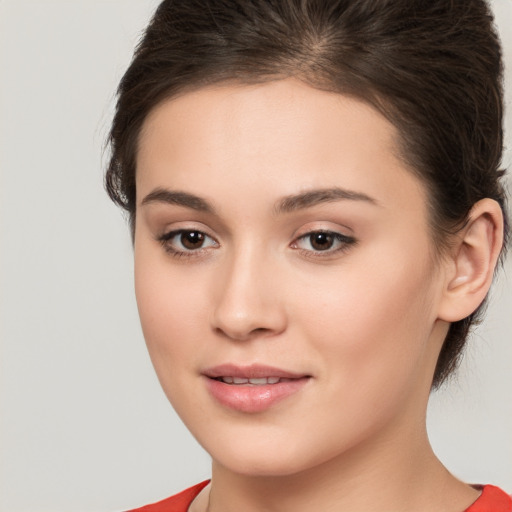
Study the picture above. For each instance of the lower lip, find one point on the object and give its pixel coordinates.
(253, 398)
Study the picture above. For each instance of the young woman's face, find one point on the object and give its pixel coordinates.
(279, 238)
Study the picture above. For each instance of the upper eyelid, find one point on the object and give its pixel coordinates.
(324, 225)
(322, 230)
(343, 231)
(336, 234)
(167, 231)
(171, 233)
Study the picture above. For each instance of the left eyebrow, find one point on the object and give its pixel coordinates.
(315, 197)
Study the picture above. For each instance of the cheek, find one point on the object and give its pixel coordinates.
(172, 313)
(372, 321)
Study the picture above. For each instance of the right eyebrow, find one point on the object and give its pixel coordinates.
(162, 195)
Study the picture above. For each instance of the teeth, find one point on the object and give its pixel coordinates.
(255, 382)
(258, 382)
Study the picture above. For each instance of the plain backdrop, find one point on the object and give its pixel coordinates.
(84, 425)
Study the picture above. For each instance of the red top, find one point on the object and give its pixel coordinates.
(492, 499)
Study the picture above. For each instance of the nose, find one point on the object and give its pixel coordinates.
(248, 300)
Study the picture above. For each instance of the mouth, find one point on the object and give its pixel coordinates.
(254, 388)
(251, 375)
(241, 381)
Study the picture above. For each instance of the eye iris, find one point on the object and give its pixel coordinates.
(321, 241)
(192, 239)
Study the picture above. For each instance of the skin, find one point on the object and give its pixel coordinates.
(365, 322)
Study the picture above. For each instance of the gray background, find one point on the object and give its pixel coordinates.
(84, 425)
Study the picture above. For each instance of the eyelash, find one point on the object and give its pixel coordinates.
(166, 240)
(344, 243)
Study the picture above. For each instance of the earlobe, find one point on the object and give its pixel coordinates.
(472, 261)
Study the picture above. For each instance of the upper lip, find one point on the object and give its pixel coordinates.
(253, 371)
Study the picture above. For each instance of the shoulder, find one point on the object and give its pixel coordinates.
(492, 499)
(177, 503)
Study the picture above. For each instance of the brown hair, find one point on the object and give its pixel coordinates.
(433, 68)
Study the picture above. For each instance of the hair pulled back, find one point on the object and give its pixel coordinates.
(433, 68)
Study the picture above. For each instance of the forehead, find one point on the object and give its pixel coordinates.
(268, 114)
(276, 135)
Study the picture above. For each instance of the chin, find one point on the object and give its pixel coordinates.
(265, 457)
(258, 467)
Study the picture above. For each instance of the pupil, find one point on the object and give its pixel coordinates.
(192, 239)
(321, 241)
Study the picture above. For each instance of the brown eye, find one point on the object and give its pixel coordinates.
(182, 242)
(328, 242)
(192, 239)
(321, 241)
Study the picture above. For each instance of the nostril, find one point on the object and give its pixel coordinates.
(259, 330)
(243, 335)
(243, 312)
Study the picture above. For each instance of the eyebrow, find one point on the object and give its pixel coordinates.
(161, 195)
(319, 196)
(287, 204)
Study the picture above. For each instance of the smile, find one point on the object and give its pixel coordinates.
(255, 382)
(253, 388)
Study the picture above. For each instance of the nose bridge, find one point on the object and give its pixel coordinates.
(246, 302)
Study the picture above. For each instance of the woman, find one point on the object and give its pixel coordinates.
(316, 208)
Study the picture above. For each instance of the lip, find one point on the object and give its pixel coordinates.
(253, 371)
(249, 398)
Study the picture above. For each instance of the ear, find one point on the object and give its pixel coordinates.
(470, 267)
